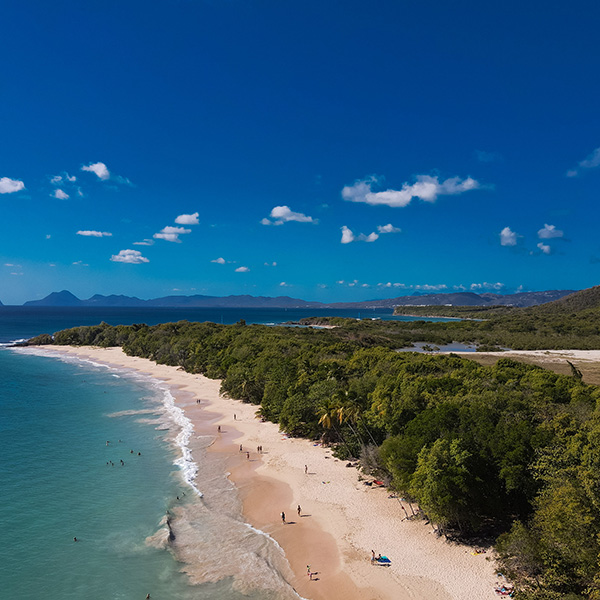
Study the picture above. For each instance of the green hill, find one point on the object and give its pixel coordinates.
(573, 303)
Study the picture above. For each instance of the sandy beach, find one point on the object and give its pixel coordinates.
(341, 519)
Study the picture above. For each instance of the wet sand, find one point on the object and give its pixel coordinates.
(341, 520)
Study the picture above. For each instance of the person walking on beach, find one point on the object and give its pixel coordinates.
(306, 469)
(248, 455)
(299, 510)
(282, 517)
(219, 429)
(241, 449)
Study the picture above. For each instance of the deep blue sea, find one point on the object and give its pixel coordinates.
(65, 427)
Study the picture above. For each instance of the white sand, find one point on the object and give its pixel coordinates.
(344, 519)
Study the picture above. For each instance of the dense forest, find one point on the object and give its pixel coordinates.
(509, 451)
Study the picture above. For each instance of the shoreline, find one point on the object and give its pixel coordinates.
(341, 519)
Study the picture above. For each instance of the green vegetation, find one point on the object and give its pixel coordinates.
(508, 450)
(571, 322)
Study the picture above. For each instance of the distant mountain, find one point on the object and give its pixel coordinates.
(113, 300)
(66, 298)
(460, 299)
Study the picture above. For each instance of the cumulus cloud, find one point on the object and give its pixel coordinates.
(284, 214)
(133, 257)
(94, 233)
(544, 248)
(188, 219)
(99, 169)
(144, 243)
(64, 178)
(421, 287)
(508, 237)
(9, 186)
(389, 228)
(60, 195)
(219, 261)
(486, 286)
(348, 236)
(171, 234)
(272, 264)
(284, 284)
(589, 162)
(426, 187)
(242, 270)
(549, 231)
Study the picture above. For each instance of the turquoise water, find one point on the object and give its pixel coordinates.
(57, 483)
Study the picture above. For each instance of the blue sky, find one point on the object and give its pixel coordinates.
(323, 150)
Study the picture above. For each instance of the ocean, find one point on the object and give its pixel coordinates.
(65, 427)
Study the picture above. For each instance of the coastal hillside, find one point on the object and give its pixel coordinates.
(571, 303)
(576, 302)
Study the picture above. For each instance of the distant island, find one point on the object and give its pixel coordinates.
(523, 299)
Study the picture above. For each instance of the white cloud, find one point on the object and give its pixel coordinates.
(94, 233)
(188, 219)
(242, 270)
(424, 287)
(80, 263)
(66, 178)
(486, 286)
(133, 257)
(284, 284)
(99, 169)
(544, 248)
(60, 195)
(273, 264)
(589, 162)
(367, 238)
(322, 285)
(9, 186)
(348, 236)
(425, 188)
(389, 228)
(220, 260)
(549, 231)
(508, 237)
(171, 234)
(283, 214)
(144, 243)
(48, 236)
